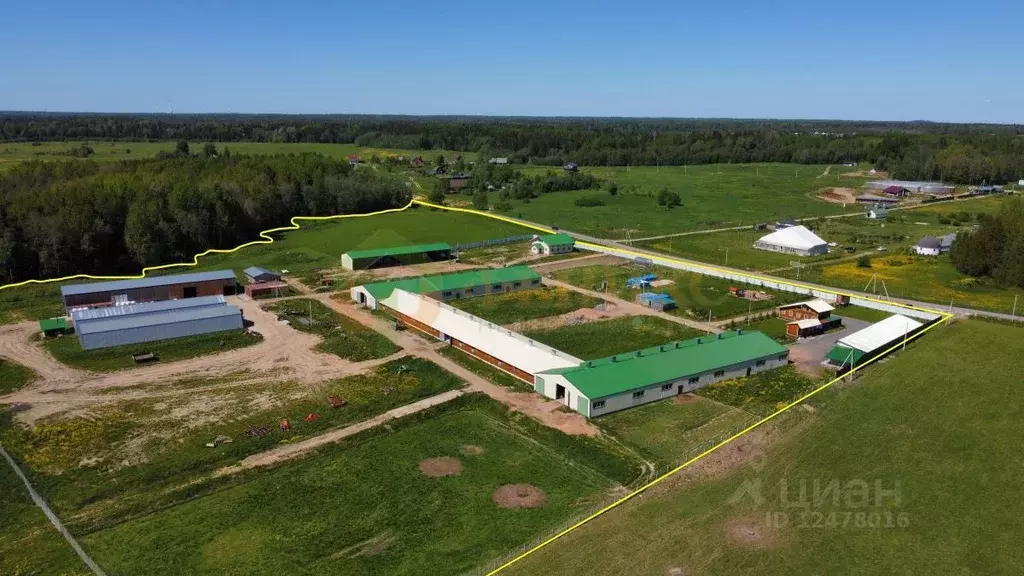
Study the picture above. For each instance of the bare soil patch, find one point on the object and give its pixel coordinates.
(421, 269)
(807, 362)
(838, 195)
(443, 466)
(688, 398)
(580, 316)
(752, 533)
(519, 496)
(471, 450)
(880, 175)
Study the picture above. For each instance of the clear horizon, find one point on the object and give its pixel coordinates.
(917, 61)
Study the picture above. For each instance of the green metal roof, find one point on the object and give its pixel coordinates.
(454, 281)
(841, 355)
(559, 239)
(398, 250)
(643, 368)
(53, 324)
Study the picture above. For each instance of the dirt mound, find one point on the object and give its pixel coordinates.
(471, 450)
(444, 466)
(749, 532)
(688, 398)
(520, 496)
(838, 195)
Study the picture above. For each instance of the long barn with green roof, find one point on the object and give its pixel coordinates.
(395, 256)
(622, 381)
(466, 284)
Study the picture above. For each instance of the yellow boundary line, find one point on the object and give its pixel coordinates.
(266, 239)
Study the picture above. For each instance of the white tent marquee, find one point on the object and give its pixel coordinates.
(793, 240)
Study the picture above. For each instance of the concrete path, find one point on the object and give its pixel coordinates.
(298, 449)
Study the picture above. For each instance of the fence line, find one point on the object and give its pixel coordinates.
(53, 517)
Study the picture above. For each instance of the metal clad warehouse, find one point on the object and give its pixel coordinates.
(175, 286)
(137, 323)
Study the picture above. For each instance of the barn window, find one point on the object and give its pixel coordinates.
(597, 405)
(720, 373)
(496, 287)
(535, 282)
(760, 362)
(446, 293)
(637, 395)
(782, 356)
(517, 284)
(666, 386)
(694, 379)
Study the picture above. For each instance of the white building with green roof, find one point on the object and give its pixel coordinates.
(545, 244)
(465, 284)
(395, 256)
(623, 381)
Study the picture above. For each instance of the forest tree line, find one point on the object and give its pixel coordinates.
(60, 218)
(958, 153)
(995, 249)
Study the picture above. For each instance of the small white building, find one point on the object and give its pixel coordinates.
(932, 246)
(796, 240)
(560, 243)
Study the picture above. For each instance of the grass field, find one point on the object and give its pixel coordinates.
(713, 196)
(13, 376)
(773, 326)
(341, 335)
(28, 543)
(13, 152)
(30, 303)
(607, 337)
(147, 456)
(67, 350)
(695, 294)
(525, 304)
(667, 432)
(484, 369)
(364, 507)
(956, 509)
(321, 244)
(764, 392)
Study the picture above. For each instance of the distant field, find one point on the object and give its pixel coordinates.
(608, 337)
(695, 294)
(365, 507)
(13, 152)
(713, 196)
(341, 335)
(525, 304)
(67, 350)
(953, 513)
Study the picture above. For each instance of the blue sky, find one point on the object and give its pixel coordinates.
(894, 60)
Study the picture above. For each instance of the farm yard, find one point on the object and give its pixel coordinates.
(341, 335)
(526, 304)
(947, 478)
(69, 352)
(607, 337)
(695, 294)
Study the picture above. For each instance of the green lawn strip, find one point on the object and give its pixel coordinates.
(926, 420)
(31, 302)
(525, 304)
(695, 294)
(773, 326)
(364, 507)
(656, 429)
(607, 337)
(90, 498)
(860, 313)
(484, 369)
(763, 392)
(29, 544)
(13, 376)
(342, 336)
(67, 350)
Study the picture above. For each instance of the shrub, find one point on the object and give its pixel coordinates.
(864, 262)
(589, 201)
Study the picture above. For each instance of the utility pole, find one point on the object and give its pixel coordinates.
(1013, 315)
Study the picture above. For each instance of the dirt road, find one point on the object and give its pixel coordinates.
(298, 449)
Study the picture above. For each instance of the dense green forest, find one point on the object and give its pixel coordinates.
(59, 218)
(996, 248)
(959, 153)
